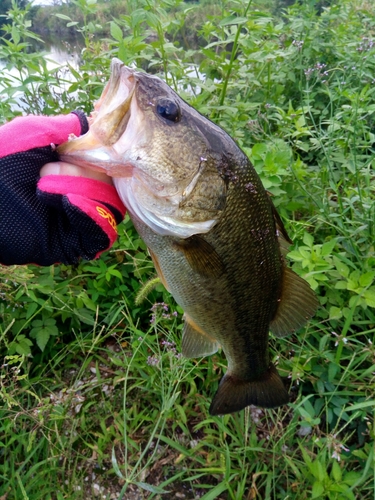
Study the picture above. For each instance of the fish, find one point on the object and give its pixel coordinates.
(216, 239)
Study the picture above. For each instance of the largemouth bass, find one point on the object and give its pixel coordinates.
(215, 237)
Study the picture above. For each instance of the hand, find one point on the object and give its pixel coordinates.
(68, 213)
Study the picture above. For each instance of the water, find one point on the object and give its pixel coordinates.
(57, 55)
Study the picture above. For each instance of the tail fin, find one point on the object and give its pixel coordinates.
(235, 394)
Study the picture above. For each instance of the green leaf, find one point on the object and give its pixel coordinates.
(308, 239)
(318, 470)
(116, 273)
(317, 490)
(336, 472)
(232, 20)
(31, 310)
(15, 35)
(85, 316)
(335, 312)
(369, 296)
(37, 323)
(328, 246)
(360, 406)
(151, 488)
(367, 279)
(258, 150)
(22, 345)
(341, 285)
(42, 338)
(62, 16)
(215, 492)
(116, 31)
(115, 464)
(342, 268)
(295, 255)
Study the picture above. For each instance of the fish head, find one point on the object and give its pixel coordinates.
(158, 150)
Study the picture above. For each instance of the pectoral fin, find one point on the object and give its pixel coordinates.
(298, 304)
(195, 342)
(201, 256)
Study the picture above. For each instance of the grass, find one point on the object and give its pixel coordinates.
(96, 400)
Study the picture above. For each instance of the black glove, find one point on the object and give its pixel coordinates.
(56, 218)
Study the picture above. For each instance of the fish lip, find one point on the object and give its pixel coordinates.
(108, 121)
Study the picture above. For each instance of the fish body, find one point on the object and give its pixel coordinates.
(213, 233)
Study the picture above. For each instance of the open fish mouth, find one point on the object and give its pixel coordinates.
(124, 142)
(109, 120)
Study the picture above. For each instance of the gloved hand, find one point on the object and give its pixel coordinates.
(56, 218)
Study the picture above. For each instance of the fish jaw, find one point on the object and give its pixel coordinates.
(99, 148)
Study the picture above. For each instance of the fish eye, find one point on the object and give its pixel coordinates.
(168, 109)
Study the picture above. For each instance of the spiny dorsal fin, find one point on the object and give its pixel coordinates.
(201, 256)
(195, 342)
(235, 394)
(298, 304)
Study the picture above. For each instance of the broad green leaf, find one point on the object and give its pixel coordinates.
(295, 255)
(342, 268)
(328, 246)
(116, 31)
(42, 338)
(341, 285)
(31, 309)
(308, 239)
(15, 35)
(63, 16)
(317, 490)
(367, 279)
(369, 296)
(335, 312)
(232, 20)
(258, 150)
(336, 471)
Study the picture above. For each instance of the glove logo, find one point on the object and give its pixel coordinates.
(106, 215)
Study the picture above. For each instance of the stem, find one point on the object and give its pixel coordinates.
(232, 57)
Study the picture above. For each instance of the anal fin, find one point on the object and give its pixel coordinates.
(195, 342)
(235, 394)
(298, 303)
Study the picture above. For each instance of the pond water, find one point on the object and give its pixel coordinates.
(55, 52)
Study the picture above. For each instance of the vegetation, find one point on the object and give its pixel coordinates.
(97, 400)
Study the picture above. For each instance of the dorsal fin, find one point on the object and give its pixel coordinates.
(297, 305)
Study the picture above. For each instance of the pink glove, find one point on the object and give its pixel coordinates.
(56, 218)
